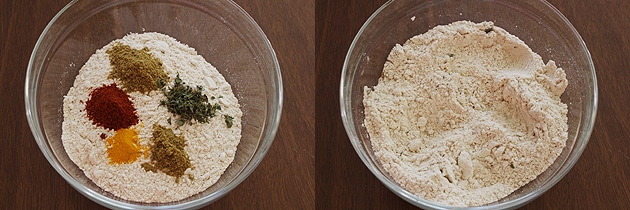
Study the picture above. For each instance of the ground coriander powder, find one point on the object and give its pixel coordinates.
(137, 70)
(167, 153)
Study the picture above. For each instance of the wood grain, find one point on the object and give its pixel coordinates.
(599, 180)
(283, 180)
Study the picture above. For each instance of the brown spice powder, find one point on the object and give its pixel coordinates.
(137, 70)
(167, 153)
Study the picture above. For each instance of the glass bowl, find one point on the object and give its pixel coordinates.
(537, 23)
(222, 32)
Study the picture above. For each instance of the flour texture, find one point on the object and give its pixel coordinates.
(466, 114)
(211, 146)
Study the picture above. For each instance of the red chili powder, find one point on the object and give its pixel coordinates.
(110, 107)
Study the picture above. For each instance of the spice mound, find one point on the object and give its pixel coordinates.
(466, 114)
(149, 120)
(110, 107)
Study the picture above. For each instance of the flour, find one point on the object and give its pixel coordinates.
(211, 146)
(466, 113)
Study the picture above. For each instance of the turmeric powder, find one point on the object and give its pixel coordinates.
(123, 146)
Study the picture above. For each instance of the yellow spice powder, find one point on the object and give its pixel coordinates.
(123, 146)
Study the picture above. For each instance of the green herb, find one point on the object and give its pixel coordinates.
(180, 122)
(451, 55)
(511, 165)
(168, 120)
(189, 103)
(161, 83)
(228, 120)
(488, 30)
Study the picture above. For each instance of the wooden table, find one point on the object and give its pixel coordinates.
(311, 164)
(599, 180)
(285, 179)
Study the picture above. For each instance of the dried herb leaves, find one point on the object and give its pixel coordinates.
(187, 102)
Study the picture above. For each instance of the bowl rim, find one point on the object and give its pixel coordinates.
(347, 117)
(271, 125)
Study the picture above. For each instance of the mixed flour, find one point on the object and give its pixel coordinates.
(210, 146)
(466, 113)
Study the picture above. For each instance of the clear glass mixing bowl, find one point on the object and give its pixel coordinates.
(536, 22)
(222, 32)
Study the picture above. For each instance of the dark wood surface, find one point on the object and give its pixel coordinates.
(311, 163)
(285, 179)
(599, 180)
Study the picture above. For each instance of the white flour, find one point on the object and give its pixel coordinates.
(211, 146)
(463, 115)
